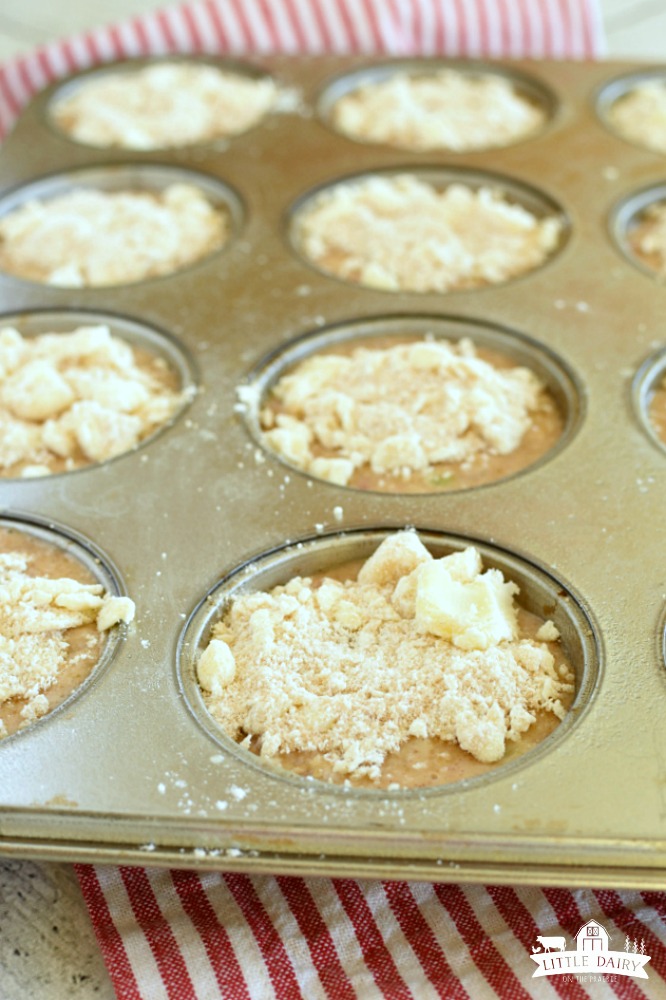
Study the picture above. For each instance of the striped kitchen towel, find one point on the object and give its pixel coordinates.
(184, 936)
(548, 29)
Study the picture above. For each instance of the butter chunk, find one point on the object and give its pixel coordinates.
(398, 452)
(464, 566)
(12, 350)
(77, 601)
(471, 614)
(548, 632)
(36, 392)
(59, 436)
(18, 440)
(419, 729)
(376, 276)
(484, 737)
(115, 610)
(216, 667)
(333, 470)
(424, 356)
(291, 439)
(112, 391)
(103, 433)
(34, 471)
(397, 556)
(404, 595)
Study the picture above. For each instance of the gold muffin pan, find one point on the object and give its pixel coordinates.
(130, 769)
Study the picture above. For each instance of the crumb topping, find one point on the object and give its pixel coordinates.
(442, 110)
(648, 238)
(89, 238)
(164, 105)
(36, 615)
(69, 399)
(414, 647)
(399, 410)
(400, 233)
(640, 115)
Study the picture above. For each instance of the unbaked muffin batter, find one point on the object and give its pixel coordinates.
(400, 233)
(397, 661)
(163, 105)
(72, 399)
(445, 109)
(647, 238)
(89, 238)
(640, 115)
(53, 616)
(419, 416)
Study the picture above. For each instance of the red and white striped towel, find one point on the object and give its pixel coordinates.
(185, 936)
(542, 29)
(173, 935)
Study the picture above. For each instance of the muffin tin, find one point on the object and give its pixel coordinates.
(129, 770)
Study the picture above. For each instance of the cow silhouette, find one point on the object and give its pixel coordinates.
(552, 943)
